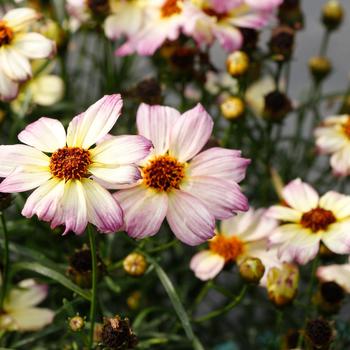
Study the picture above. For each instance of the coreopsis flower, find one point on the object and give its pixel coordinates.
(189, 188)
(66, 168)
(17, 47)
(338, 273)
(239, 237)
(19, 311)
(308, 220)
(333, 137)
(220, 20)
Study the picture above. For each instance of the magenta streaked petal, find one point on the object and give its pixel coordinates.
(24, 181)
(221, 197)
(189, 218)
(118, 150)
(45, 134)
(89, 127)
(264, 5)
(206, 265)
(190, 133)
(222, 163)
(144, 210)
(102, 209)
(155, 123)
(253, 21)
(229, 37)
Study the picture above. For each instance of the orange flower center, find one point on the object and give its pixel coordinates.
(170, 8)
(228, 247)
(346, 128)
(163, 173)
(70, 163)
(317, 219)
(6, 34)
(212, 13)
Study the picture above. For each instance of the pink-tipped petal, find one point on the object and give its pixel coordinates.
(144, 210)
(8, 88)
(155, 123)
(335, 273)
(219, 162)
(89, 127)
(34, 45)
(206, 265)
(300, 196)
(337, 237)
(24, 181)
(45, 134)
(14, 65)
(221, 197)
(189, 218)
(118, 150)
(190, 133)
(102, 209)
(264, 5)
(229, 37)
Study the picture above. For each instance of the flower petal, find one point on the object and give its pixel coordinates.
(32, 319)
(155, 123)
(219, 162)
(8, 88)
(45, 134)
(206, 265)
(190, 133)
(89, 127)
(24, 181)
(47, 90)
(189, 218)
(301, 196)
(338, 203)
(221, 197)
(33, 45)
(118, 150)
(14, 65)
(144, 210)
(340, 161)
(19, 18)
(335, 273)
(229, 37)
(337, 237)
(102, 209)
(283, 213)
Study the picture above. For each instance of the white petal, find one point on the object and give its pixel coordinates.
(284, 213)
(47, 90)
(45, 134)
(144, 210)
(24, 181)
(33, 45)
(190, 133)
(19, 18)
(32, 319)
(206, 265)
(14, 64)
(337, 203)
(337, 237)
(8, 88)
(89, 127)
(335, 273)
(189, 218)
(340, 161)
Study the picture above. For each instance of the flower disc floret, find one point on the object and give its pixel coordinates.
(227, 247)
(164, 173)
(317, 219)
(70, 163)
(170, 8)
(6, 34)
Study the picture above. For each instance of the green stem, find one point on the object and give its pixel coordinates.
(324, 43)
(5, 261)
(92, 240)
(225, 308)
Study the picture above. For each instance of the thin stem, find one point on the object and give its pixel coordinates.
(5, 261)
(92, 241)
(324, 43)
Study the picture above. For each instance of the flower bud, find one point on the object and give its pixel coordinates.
(76, 323)
(319, 333)
(277, 106)
(332, 14)
(237, 63)
(282, 43)
(329, 297)
(135, 264)
(148, 91)
(133, 300)
(282, 283)
(290, 14)
(319, 67)
(117, 334)
(232, 108)
(252, 270)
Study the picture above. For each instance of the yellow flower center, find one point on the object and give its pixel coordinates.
(163, 173)
(317, 219)
(70, 163)
(6, 34)
(346, 128)
(228, 247)
(170, 8)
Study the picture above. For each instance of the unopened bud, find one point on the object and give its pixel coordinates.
(290, 14)
(319, 333)
(277, 106)
(332, 14)
(76, 323)
(319, 67)
(329, 297)
(282, 43)
(135, 264)
(252, 270)
(232, 108)
(237, 63)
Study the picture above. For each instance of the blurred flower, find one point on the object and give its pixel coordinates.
(277, 105)
(237, 63)
(329, 297)
(78, 12)
(135, 264)
(219, 82)
(19, 312)
(189, 188)
(68, 179)
(308, 219)
(290, 14)
(333, 137)
(320, 67)
(232, 108)
(319, 333)
(17, 48)
(282, 283)
(240, 237)
(282, 43)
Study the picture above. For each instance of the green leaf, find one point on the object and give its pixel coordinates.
(53, 274)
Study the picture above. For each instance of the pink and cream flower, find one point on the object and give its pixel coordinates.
(307, 220)
(333, 137)
(220, 20)
(239, 237)
(17, 47)
(66, 168)
(20, 313)
(188, 188)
